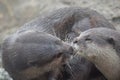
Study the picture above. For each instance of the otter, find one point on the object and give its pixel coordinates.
(65, 24)
(101, 46)
(34, 54)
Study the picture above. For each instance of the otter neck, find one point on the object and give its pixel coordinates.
(108, 62)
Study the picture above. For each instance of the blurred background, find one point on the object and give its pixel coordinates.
(15, 13)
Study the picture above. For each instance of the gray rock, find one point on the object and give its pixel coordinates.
(4, 75)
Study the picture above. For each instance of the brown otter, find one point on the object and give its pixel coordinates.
(102, 47)
(34, 54)
(66, 24)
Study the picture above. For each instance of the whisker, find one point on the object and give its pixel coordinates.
(75, 55)
(68, 65)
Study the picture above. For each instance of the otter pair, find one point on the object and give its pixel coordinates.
(40, 49)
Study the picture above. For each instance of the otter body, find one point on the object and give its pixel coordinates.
(64, 23)
(31, 55)
(67, 23)
(101, 46)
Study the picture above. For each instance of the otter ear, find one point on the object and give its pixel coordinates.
(115, 44)
(111, 41)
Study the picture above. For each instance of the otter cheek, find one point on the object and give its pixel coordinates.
(91, 56)
(81, 51)
(77, 49)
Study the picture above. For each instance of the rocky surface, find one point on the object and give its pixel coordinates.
(14, 13)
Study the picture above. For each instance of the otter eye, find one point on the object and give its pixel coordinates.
(88, 40)
(75, 41)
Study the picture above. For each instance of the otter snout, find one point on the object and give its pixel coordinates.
(68, 48)
(68, 51)
(78, 44)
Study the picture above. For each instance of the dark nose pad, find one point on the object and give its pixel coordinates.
(71, 50)
(68, 50)
(75, 41)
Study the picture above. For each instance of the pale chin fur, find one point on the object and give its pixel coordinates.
(75, 47)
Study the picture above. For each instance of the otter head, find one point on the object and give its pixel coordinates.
(101, 46)
(32, 54)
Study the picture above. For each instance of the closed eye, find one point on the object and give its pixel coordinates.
(88, 40)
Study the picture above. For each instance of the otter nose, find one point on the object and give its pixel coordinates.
(68, 49)
(78, 41)
(75, 41)
(71, 50)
